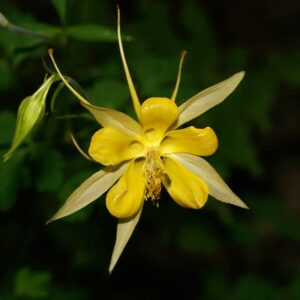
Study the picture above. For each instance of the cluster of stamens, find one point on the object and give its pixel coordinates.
(153, 170)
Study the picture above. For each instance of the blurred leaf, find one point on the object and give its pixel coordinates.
(11, 179)
(269, 209)
(61, 8)
(286, 67)
(48, 171)
(234, 137)
(216, 285)
(237, 59)
(156, 74)
(94, 33)
(34, 52)
(195, 239)
(293, 289)
(225, 213)
(245, 234)
(7, 124)
(12, 42)
(6, 76)
(109, 93)
(251, 287)
(290, 228)
(258, 93)
(32, 284)
(18, 45)
(202, 35)
(39, 27)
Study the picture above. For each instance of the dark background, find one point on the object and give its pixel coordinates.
(218, 252)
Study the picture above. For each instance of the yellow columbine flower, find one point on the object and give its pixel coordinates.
(142, 157)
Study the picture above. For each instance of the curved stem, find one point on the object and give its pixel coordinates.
(6, 24)
(183, 54)
(134, 96)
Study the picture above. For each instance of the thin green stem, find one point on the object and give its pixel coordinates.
(6, 24)
(74, 116)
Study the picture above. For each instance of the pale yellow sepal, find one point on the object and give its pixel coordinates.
(105, 116)
(125, 229)
(187, 189)
(157, 115)
(115, 119)
(90, 190)
(125, 198)
(191, 140)
(207, 99)
(30, 112)
(110, 147)
(216, 185)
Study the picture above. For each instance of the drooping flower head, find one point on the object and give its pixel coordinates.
(142, 156)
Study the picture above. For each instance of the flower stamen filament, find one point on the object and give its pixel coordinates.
(153, 170)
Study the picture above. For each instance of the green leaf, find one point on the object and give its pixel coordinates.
(197, 240)
(41, 28)
(61, 8)
(109, 93)
(48, 171)
(32, 284)
(94, 33)
(6, 76)
(10, 174)
(157, 74)
(31, 110)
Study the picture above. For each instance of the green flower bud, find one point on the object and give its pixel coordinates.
(30, 112)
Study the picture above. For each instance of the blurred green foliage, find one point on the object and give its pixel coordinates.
(219, 252)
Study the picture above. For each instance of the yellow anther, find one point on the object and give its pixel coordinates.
(153, 170)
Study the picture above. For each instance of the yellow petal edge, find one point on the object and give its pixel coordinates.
(202, 142)
(126, 197)
(186, 188)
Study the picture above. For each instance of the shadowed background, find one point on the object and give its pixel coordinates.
(218, 252)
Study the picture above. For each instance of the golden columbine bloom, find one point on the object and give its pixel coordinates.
(141, 157)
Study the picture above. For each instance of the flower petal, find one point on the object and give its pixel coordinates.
(187, 189)
(90, 190)
(125, 198)
(216, 185)
(190, 140)
(125, 229)
(207, 99)
(110, 147)
(157, 115)
(105, 116)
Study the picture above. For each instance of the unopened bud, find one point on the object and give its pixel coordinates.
(30, 112)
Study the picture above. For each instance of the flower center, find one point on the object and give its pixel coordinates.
(153, 170)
